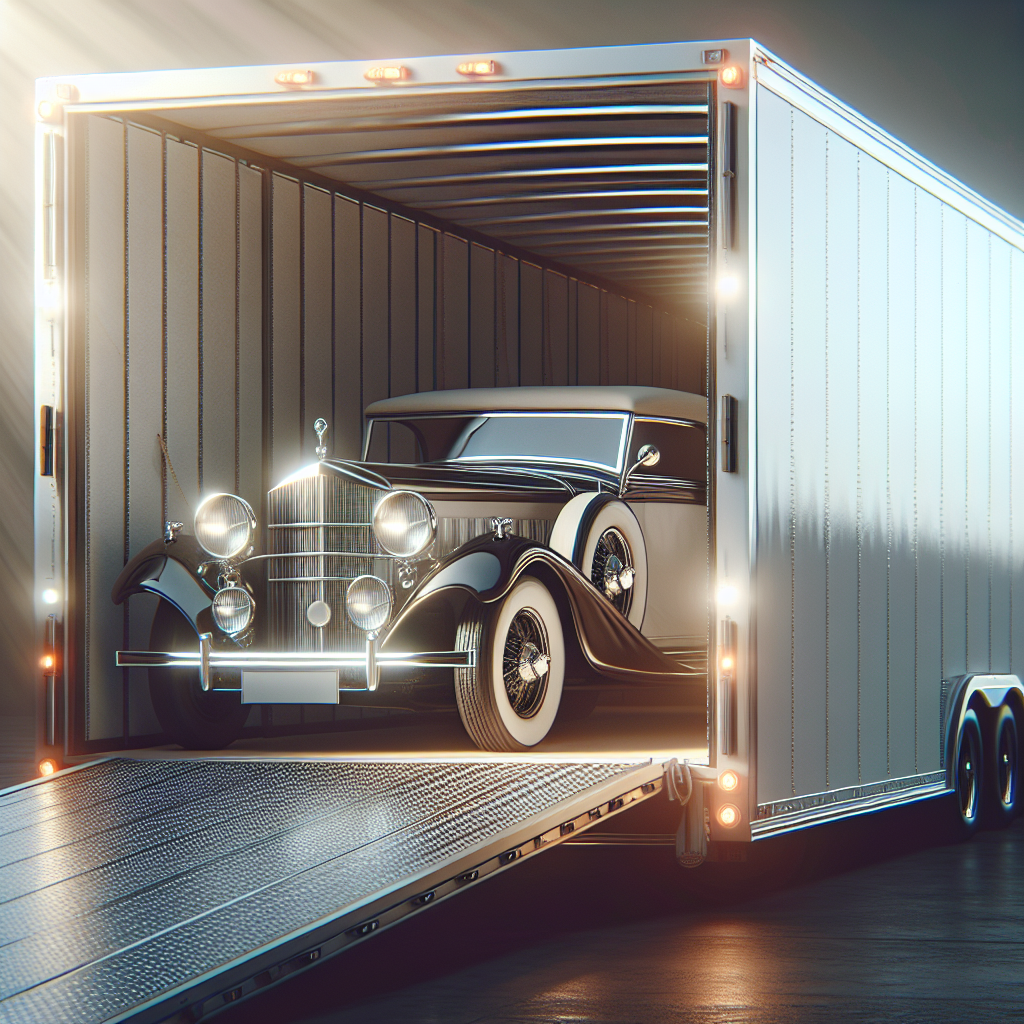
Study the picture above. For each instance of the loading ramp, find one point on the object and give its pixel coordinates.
(156, 890)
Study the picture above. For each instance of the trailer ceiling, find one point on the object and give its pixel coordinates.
(610, 179)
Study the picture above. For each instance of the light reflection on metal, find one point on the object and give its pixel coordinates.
(477, 177)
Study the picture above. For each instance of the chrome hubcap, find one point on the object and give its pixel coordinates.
(613, 573)
(526, 662)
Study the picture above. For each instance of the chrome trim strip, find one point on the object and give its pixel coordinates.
(801, 812)
(294, 659)
(292, 526)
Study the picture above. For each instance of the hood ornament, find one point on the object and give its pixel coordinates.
(321, 428)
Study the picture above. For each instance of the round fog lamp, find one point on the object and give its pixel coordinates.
(368, 602)
(232, 609)
(224, 525)
(404, 523)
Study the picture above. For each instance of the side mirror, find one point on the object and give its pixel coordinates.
(647, 456)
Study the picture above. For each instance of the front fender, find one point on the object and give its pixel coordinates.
(171, 571)
(486, 569)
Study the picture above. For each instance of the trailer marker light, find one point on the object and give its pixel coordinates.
(47, 766)
(727, 286)
(728, 815)
(477, 68)
(731, 77)
(48, 110)
(292, 78)
(50, 596)
(726, 663)
(387, 74)
(728, 781)
(727, 595)
(47, 661)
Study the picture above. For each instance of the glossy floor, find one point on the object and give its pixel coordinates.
(873, 920)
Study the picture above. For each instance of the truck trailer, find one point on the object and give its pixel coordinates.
(235, 264)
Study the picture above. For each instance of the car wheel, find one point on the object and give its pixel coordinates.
(190, 716)
(509, 699)
(1003, 747)
(602, 538)
(969, 775)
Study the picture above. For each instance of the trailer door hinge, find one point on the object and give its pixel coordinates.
(729, 434)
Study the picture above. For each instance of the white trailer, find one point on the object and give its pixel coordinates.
(223, 254)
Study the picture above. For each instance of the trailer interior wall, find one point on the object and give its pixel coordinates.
(224, 300)
(890, 487)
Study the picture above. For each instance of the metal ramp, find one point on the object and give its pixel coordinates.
(162, 890)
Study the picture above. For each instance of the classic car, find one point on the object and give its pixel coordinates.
(494, 549)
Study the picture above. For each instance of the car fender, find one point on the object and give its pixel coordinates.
(171, 571)
(486, 569)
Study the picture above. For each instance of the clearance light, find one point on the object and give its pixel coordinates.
(47, 661)
(728, 815)
(728, 781)
(727, 663)
(731, 77)
(387, 74)
(49, 111)
(50, 597)
(47, 766)
(727, 286)
(727, 595)
(295, 78)
(477, 68)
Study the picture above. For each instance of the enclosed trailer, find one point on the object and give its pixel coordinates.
(225, 256)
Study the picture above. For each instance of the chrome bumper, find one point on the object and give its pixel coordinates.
(206, 659)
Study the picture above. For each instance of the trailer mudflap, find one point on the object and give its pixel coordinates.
(149, 890)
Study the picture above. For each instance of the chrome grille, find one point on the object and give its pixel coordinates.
(320, 537)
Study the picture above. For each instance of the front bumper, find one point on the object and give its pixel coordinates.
(206, 659)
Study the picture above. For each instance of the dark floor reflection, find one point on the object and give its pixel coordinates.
(879, 919)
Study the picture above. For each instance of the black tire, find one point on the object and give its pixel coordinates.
(1002, 793)
(501, 709)
(195, 719)
(969, 776)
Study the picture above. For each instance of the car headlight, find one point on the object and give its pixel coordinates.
(224, 525)
(404, 523)
(368, 602)
(232, 609)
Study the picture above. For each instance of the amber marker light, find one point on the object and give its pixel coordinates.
(47, 662)
(386, 74)
(47, 766)
(728, 781)
(731, 77)
(295, 77)
(728, 816)
(477, 68)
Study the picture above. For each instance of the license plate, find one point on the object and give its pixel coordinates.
(288, 686)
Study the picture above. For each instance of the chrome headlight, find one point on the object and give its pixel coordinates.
(225, 525)
(232, 609)
(404, 523)
(368, 602)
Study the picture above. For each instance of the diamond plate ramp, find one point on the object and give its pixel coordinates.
(155, 890)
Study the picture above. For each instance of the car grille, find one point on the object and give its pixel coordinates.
(320, 538)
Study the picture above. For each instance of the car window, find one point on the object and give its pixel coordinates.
(588, 439)
(683, 448)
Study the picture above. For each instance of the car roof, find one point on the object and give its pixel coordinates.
(643, 401)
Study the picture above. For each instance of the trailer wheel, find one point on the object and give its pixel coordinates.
(509, 699)
(969, 775)
(1003, 792)
(195, 719)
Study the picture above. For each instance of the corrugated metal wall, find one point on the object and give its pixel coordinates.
(364, 303)
(890, 391)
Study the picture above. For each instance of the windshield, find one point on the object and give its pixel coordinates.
(588, 439)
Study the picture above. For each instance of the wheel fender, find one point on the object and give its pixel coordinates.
(990, 691)
(171, 572)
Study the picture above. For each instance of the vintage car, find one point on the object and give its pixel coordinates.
(496, 548)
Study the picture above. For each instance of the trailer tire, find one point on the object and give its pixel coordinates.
(969, 775)
(195, 719)
(1003, 748)
(508, 700)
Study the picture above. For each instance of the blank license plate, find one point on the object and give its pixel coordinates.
(285, 686)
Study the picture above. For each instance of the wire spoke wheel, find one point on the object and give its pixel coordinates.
(525, 662)
(613, 570)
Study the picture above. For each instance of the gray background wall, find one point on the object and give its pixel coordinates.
(943, 76)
